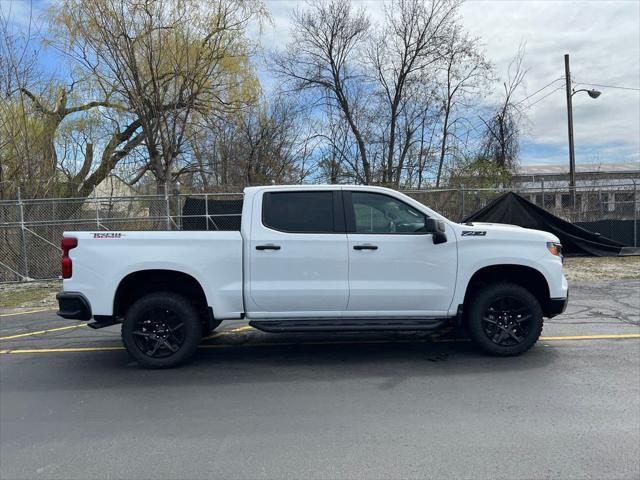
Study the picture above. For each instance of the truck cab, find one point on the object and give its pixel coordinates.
(317, 258)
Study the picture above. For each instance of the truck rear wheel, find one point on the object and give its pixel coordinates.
(504, 319)
(161, 330)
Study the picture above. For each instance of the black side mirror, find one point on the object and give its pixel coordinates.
(436, 228)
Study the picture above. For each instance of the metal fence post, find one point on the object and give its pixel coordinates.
(635, 213)
(462, 202)
(167, 207)
(206, 210)
(97, 205)
(24, 236)
(176, 193)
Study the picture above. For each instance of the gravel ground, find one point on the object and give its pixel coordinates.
(602, 268)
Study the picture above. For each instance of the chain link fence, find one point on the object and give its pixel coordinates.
(31, 230)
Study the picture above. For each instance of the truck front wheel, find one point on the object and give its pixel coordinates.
(161, 330)
(504, 319)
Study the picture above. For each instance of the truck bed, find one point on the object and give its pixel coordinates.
(103, 259)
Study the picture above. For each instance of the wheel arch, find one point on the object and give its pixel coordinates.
(137, 284)
(527, 277)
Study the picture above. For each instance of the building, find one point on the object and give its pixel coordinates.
(604, 190)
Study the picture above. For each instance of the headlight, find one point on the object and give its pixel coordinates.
(555, 248)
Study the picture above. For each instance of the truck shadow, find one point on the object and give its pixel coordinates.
(389, 359)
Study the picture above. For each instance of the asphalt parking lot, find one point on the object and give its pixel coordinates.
(255, 405)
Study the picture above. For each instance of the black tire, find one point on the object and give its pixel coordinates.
(161, 330)
(504, 319)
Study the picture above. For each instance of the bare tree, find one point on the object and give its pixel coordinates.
(327, 38)
(19, 54)
(402, 54)
(501, 142)
(465, 71)
(266, 143)
(168, 61)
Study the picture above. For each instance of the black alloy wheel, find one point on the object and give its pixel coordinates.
(507, 321)
(162, 330)
(504, 319)
(159, 332)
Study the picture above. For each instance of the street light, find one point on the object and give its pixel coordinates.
(592, 93)
(572, 156)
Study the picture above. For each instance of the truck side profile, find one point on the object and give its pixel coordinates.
(316, 258)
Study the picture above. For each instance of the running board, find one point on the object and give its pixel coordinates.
(348, 324)
(102, 321)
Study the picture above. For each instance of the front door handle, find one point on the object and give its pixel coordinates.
(365, 247)
(269, 246)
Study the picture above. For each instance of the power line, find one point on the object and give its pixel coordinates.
(539, 90)
(540, 99)
(608, 86)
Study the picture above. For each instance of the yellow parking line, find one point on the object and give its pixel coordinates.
(227, 332)
(345, 342)
(40, 332)
(592, 337)
(60, 350)
(27, 312)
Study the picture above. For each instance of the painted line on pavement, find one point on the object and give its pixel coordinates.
(227, 332)
(624, 336)
(27, 312)
(41, 332)
(70, 327)
(617, 336)
(61, 350)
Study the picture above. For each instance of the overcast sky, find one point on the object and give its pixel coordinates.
(602, 37)
(603, 40)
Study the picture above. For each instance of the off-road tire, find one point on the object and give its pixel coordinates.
(163, 302)
(480, 305)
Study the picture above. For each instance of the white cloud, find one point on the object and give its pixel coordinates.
(603, 39)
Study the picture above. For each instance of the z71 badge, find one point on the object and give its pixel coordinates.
(473, 233)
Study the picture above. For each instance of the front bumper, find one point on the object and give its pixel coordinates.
(73, 305)
(555, 306)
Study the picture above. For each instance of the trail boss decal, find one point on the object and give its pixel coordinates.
(473, 233)
(108, 235)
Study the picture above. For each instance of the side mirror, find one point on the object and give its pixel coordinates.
(437, 229)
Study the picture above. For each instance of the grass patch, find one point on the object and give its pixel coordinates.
(602, 268)
(29, 294)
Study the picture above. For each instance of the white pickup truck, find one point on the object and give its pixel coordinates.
(316, 258)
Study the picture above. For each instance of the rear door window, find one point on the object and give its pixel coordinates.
(300, 212)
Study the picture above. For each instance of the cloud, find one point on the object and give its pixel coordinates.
(603, 39)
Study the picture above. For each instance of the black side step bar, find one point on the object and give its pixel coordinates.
(348, 324)
(102, 321)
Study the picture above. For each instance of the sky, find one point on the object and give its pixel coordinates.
(601, 37)
(603, 41)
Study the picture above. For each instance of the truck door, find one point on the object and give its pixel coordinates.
(394, 267)
(298, 255)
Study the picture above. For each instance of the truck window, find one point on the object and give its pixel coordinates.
(376, 213)
(299, 212)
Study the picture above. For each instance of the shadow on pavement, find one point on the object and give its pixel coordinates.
(265, 362)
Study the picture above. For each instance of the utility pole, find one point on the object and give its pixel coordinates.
(572, 154)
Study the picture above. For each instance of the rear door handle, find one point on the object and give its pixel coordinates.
(365, 247)
(269, 246)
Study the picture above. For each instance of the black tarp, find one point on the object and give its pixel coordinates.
(513, 209)
(623, 231)
(223, 214)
